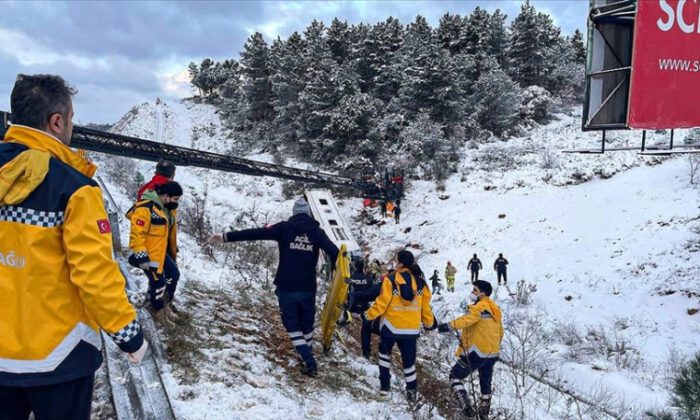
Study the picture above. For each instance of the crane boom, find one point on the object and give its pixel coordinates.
(133, 147)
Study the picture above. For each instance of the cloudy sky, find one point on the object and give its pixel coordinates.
(119, 54)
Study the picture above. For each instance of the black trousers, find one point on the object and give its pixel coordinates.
(502, 274)
(298, 310)
(475, 275)
(466, 365)
(66, 400)
(407, 347)
(368, 327)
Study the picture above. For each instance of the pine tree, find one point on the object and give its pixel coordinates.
(288, 80)
(451, 33)
(534, 41)
(523, 52)
(193, 71)
(257, 88)
(494, 101)
(686, 391)
(424, 143)
(429, 81)
(339, 40)
(348, 124)
(476, 33)
(578, 47)
(497, 37)
(388, 36)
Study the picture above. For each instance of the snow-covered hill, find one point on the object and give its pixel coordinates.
(610, 243)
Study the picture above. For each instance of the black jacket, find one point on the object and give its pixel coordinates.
(360, 284)
(475, 264)
(500, 264)
(299, 240)
(368, 294)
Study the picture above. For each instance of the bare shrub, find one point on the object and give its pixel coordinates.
(123, 172)
(549, 157)
(194, 219)
(291, 190)
(497, 157)
(694, 169)
(524, 351)
(523, 293)
(254, 261)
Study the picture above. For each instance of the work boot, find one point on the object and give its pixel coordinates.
(309, 369)
(465, 407)
(411, 395)
(161, 318)
(384, 395)
(484, 407)
(169, 313)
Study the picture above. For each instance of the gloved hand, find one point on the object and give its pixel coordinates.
(443, 328)
(137, 356)
(432, 327)
(216, 239)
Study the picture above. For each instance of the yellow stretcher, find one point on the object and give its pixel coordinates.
(337, 294)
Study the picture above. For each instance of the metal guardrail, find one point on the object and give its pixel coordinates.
(137, 390)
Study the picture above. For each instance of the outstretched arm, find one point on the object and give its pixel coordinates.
(271, 233)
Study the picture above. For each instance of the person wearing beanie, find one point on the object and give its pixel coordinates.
(153, 243)
(482, 333)
(299, 240)
(165, 172)
(402, 306)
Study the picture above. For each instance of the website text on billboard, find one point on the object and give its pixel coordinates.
(665, 65)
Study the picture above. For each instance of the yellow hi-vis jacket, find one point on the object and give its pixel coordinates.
(482, 329)
(153, 231)
(400, 317)
(58, 281)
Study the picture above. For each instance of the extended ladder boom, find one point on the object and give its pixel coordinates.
(133, 147)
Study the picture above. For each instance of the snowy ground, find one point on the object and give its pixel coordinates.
(613, 260)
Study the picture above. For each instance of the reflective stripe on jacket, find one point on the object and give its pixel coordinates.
(400, 317)
(59, 280)
(482, 329)
(153, 231)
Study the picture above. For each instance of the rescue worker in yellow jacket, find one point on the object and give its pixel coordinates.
(403, 304)
(153, 242)
(58, 281)
(450, 272)
(479, 349)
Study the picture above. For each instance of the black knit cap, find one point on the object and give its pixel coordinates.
(484, 286)
(172, 188)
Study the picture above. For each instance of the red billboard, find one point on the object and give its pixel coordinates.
(665, 87)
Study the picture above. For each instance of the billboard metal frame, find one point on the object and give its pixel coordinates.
(602, 12)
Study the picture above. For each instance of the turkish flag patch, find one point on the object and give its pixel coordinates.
(140, 222)
(103, 226)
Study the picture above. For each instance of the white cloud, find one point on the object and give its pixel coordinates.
(29, 52)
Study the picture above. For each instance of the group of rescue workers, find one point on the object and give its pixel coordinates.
(68, 286)
(500, 266)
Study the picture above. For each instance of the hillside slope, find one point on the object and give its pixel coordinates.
(613, 261)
